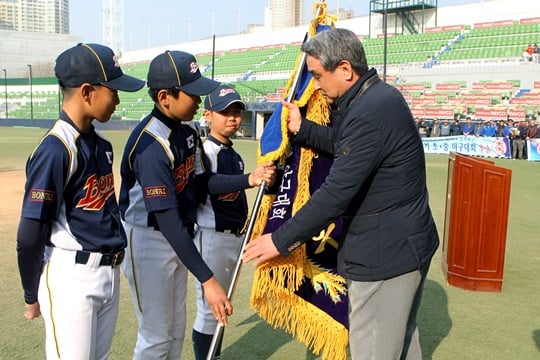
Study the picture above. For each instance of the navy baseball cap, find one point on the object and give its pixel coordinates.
(94, 64)
(179, 70)
(221, 98)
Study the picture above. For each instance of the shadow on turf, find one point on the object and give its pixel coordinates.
(260, 342)
(434, 322)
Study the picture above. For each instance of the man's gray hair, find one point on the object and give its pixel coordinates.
(332, 46)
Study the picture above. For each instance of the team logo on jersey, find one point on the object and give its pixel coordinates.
(182, 173)
(109, 155)
(98, 191)
(42, 196)
(229, 197)
(155, 191)
(190, 141)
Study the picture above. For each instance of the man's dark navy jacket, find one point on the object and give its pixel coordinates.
(377, 183)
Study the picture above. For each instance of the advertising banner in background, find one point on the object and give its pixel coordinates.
(469, 145)
(496, 147)
(533, 150)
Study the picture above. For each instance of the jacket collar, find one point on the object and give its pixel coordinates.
(365, 81)
(171, 123)
(219, 143)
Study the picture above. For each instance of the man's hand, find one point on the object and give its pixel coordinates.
(261, 249)
(263, 172)
(294, 119)
(32, 311)
(218, 301)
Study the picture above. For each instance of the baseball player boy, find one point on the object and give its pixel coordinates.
(222, 216)
(164, 178)
(70, 239)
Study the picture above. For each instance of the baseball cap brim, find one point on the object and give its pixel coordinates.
(199, 87)
(222, 107)
(125, 83)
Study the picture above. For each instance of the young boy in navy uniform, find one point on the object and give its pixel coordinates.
(70, 238)
(164, 178)
(222, 216)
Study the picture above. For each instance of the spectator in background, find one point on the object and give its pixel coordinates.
(536, 54)
(506, 130)
(518, 133)
(455, 128)
(429, 127)
(489, 129)
(500, 128)
(532, 130)
(507, 133)
(528, 53)
(445, 128)
(421, 126)
(479, 125)
(468, 128)
(436, 128)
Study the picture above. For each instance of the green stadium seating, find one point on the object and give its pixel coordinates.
(493, 42)
(261, 71)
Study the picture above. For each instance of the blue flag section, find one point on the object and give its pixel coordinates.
(274, 140)
(301, 293)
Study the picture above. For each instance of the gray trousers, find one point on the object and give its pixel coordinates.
(517, 148)
(382, 317)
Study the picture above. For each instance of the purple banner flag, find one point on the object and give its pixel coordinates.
(301, 293)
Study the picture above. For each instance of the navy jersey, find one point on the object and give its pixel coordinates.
(69, 182)
(223, 211)
(159, 165)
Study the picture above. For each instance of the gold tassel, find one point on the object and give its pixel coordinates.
(275, 281)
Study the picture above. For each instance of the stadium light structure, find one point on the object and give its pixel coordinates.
(5, 90)
(31, 97)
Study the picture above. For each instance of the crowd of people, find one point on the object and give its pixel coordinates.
(517, 132)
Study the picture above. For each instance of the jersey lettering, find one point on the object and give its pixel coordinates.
(43, 196)
(229, 197)
(98, 191)
(181, 173)
(155, 191)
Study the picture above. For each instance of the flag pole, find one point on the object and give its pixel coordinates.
(218, 332)
(296, 79)
(234, 279)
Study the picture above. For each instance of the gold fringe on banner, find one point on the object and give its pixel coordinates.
(275, 282)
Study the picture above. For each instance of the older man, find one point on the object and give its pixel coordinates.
(377, 184)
